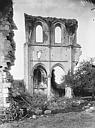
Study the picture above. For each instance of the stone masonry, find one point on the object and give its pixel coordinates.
(7, 50)
(44, 56)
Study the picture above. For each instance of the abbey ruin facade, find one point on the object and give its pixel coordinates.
(50, 42)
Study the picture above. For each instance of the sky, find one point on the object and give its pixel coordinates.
(74, 9)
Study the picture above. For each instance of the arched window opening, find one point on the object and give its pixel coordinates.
(57, 34)
(39, 34)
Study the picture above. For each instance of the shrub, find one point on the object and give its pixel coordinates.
(83, 80)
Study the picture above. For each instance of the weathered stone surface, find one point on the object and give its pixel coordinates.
(5, 90)
(1, 101)
(7, 49)
(47, 112)
(34, 117)
(48, 53)
(6, 34)
(38, 111)
(90, 109)
(68, 92)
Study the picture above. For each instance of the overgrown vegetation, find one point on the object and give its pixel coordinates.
(83, 80)
(90, 1)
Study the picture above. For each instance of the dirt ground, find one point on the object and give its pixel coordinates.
(61, 120)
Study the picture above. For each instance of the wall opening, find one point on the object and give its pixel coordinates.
(39, 33)
(57, 81)
(57, 34)
(40, 79)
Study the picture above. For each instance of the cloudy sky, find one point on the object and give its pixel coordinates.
(77, 9)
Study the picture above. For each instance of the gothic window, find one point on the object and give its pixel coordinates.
(39, 34)
(57, 34)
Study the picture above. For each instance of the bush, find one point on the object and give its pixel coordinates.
(18, 87)
(38, 101)
(58, 103)
(83, 80)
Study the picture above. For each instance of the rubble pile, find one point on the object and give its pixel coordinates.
(24, 106)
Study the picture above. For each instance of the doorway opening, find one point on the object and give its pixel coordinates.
(40, 79)
(57, 81)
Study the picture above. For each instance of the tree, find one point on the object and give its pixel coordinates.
(83, 78)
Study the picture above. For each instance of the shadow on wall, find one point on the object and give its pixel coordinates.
(3, 5)
(40, 80)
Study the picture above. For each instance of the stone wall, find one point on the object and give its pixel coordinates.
(48, 53)
(7, 49)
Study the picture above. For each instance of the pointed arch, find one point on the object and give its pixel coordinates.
(39, 33)
(39, 76)
(57, 34)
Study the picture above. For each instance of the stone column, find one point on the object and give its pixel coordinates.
(71, 55)
(68, 92)
(30, 86)
(26, 65)
(49, 87)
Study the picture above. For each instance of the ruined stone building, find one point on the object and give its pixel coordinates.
(50, 42)
(7, 49)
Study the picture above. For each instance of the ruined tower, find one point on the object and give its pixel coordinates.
(50, 42)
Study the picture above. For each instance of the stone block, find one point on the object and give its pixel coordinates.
(1, 95)
(38, 112)
(34, 117)
(1, 85)
(6, 85)
(0, 90)
(6, 105)
(1, 105)
(68, 92)
(0, 80)
(1, 101)
(5, 102)
(47, 112)
(5, 90)
(5, 94)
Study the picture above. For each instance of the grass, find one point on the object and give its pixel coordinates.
(66, 120)
(65, 113)
(69, 117)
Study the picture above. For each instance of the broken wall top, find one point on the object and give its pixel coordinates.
(70, 24)
(7, 25)
(6, 13)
